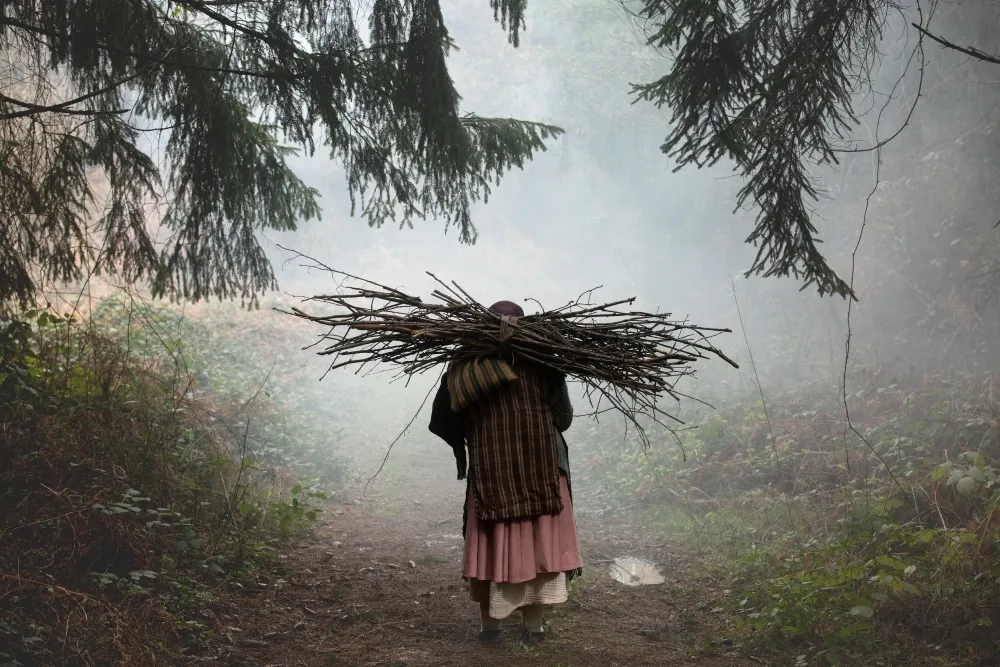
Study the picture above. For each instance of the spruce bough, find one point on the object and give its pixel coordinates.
(227, 90)
(768, 85)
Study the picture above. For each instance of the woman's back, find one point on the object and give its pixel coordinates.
(513, 448)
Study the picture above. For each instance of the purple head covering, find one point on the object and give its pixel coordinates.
(507, 308)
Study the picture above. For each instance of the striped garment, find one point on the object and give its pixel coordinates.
(513, 449)
(471, 381)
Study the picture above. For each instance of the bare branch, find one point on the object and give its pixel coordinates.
(31, 109)
(630, 360)
(967, 50)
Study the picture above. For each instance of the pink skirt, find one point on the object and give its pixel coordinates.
(518, 551)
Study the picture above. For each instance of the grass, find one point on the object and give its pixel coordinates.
(387, 506)
(129, 504)
(835, 549)
(431, 560)
(226, 351)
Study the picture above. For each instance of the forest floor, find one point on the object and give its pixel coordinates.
(379, 585)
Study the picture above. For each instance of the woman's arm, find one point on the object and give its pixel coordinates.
(562, 408)
(447, 425)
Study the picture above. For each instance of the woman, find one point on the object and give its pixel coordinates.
(521, 545)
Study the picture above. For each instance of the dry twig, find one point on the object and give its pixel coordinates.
(626, 361)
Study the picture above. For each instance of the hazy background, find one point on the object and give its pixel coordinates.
(796, 532)
(602, 207)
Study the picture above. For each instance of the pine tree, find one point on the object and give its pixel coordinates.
(229, 89)
(772, 85)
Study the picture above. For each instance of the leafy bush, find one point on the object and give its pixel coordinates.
(126, 499)
(835, 548)
(875, 586)
(228, 351)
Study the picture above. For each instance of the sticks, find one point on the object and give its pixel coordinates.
(628, 360)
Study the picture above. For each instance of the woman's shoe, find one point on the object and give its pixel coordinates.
(532, 638)
(489, 636)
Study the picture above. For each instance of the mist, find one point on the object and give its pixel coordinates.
(853, 449)
(600, 208)
(603, 207)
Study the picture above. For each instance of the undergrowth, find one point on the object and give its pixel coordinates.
(229, 351)
(129, 504)
(835, 549)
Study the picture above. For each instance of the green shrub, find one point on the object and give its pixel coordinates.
(227, 351)
(125, 499)
(835, 548)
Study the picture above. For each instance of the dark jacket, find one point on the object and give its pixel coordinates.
(449, 426)
(453, 428)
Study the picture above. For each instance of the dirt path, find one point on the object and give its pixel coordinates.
(380, 587)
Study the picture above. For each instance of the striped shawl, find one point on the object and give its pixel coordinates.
(513, 445)
(472, 381)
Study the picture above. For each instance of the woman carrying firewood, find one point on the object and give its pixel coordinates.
(504, 401)
(521, 546)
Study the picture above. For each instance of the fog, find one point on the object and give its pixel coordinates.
(548, 228)
(602, 207)
(833, 498)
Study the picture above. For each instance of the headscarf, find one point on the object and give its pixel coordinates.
(473, 379)
(508, 308)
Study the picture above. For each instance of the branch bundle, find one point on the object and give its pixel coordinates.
(626, 360)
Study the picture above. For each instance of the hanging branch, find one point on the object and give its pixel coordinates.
(626, 361)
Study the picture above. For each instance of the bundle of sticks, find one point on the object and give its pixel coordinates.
(626, 361)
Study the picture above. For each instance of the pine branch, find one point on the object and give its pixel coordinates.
(63, 107)
(234, 81)
(143, 58)
(219, 17)
(768, 86)
(510, 14)
(30, 109)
